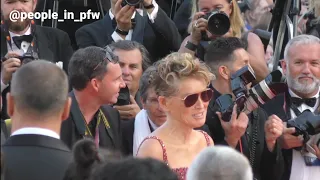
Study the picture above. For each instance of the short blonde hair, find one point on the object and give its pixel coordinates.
(176, 67)
(236, 20)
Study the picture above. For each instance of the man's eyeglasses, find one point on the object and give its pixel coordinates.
(191, 99)
(109, 56)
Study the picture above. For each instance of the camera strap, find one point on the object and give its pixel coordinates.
(253, 138)
(33, 48)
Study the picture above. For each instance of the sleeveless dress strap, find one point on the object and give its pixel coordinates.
(164, 151)
(206, 136)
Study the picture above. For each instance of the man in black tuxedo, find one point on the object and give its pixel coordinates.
(247, 133)
(96, 78)
(37, 104)
(154, 29)
(302, 69)
(24, 37)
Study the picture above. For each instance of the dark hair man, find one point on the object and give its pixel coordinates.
(133, 60)
(37, 104)
(22, 38)
(246, 133)
(150, 27)
(96, 78)
(301, 66)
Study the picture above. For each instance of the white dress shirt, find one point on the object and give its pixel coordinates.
(15, 48)
(299, 170)
(116, 37)
(36, 130)
(153, 125)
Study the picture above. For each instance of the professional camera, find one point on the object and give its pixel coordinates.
(306, 124)
(135, 3)
(218, 23)
(124, 97)
(249, 100)
(25, 58)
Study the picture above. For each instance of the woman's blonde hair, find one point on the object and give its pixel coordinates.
(176, 67)
(236, 20)
(316, 5)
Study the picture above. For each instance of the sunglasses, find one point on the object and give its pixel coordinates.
(191, 99)
(109, 56)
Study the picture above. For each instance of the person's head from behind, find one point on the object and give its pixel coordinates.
(149, 98)
(96, 72)
(182, 87)
(301, 65)
(225, 56)
(230, 7)
(135, 169)
(9, 7)
(133, 60)
(220, 163)
(39, 95)
(86, 159)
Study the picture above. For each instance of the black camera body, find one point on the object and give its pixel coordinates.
(124, 97)
(306, 124)
(26, 58)
(218, 23)
(248, 100)
(135, 3)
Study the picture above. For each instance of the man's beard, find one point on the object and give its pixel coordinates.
(18, 25)
(303, 88)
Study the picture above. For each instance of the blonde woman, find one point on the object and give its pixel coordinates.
(230, 7)
(181, 85)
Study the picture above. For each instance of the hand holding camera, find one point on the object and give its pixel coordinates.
(235, 128)
(9, 66)
(273, 129)
(123, 16)
(130, 111)
(290, 141)
(199, 25)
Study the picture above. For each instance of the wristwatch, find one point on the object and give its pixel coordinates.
(122, 32)
(191, 46)
(149, 6)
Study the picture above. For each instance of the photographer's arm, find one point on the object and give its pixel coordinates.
(256, 54)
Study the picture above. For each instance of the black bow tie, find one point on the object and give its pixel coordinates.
(114, 23)
(19, 39)
(308, 101)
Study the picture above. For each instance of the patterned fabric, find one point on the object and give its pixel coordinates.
(181, 172)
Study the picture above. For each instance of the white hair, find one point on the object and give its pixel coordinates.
(300, 40)
(221, 163)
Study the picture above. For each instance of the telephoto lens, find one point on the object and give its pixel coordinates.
(218, 22)
(135, 3)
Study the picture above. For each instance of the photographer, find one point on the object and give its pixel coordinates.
(195, 44)
(246, 133)
(133, 60)
(23, 41)
(301, 66)
(150, 27)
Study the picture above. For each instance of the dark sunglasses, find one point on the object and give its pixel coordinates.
(191, 99)
(109, 56)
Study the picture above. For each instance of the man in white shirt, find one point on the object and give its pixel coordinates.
(37, 104)
(301, 66)
(150, 27)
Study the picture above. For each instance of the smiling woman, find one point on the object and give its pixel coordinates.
(181, 87)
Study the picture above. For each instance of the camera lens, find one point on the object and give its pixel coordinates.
(133, 2)
(218, 23)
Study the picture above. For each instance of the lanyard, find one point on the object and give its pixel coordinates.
(33, 49)
(101, 117)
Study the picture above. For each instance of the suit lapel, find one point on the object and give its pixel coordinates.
(108, 130)
(138, 31)
(76, 114)
(4, 48)
(44, 45)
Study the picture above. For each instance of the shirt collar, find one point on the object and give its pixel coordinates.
(292, 94)
(28, 32)
(36, 130)
(112, 16)
(153, 125)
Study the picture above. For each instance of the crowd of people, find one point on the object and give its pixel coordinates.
(141, 94)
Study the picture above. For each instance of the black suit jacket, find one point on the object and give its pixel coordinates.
(267, 165)
(280, 106)
(35, 157)
(53, 44)
(73, 129)
(160, 38)
(128, 131)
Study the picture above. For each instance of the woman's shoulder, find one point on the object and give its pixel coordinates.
(205, 137)
(152, 146)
